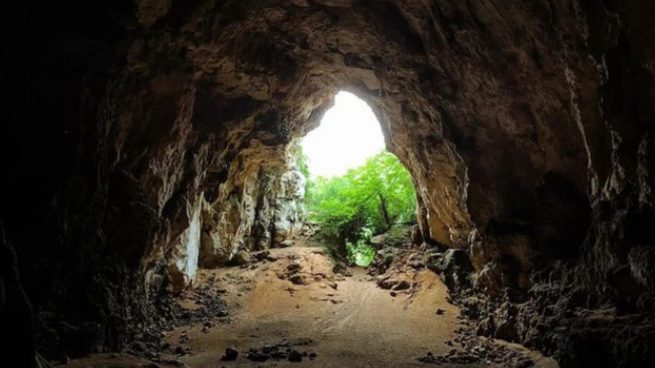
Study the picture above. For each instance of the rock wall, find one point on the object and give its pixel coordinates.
(259, 207)
(527, 127)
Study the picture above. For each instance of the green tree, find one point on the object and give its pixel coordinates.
(367, 200)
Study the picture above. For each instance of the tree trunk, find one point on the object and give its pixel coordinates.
(385, 212)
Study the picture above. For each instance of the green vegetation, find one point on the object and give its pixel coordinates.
(361, 252)
(367, 200)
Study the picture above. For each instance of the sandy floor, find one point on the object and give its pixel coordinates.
(348, 321)
(345, 321)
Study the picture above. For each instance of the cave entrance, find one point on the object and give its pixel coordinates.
(359, 196)
(347, 136)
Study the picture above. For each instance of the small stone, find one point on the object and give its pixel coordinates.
(295, 356)
(401, 285)
(261, 255)
(279, 355)
(241, 258)
(298, 279)
(294, 266)
(230, 354)
(258, 357)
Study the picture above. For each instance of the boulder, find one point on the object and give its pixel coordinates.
(378, 241)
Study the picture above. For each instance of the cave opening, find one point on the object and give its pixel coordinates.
(348, 134)
(358, 195)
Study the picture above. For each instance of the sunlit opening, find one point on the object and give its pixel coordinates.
(355, 189)
(348, 135)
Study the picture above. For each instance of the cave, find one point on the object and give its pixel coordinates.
(146, 149)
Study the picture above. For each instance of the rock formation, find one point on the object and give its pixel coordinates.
(260, 206)
(144, 138)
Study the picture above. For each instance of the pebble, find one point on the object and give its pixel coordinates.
(295, 356)
(230, 354)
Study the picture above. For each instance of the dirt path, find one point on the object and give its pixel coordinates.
(291, 300)
(297, 302)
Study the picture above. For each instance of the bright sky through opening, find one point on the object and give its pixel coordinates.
(348, 135)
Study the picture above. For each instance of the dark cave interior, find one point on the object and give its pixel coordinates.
(145, 139)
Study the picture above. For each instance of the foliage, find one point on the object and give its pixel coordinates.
(366, 200)
(361, 252)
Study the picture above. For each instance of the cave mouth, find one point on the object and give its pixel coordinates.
(349, 133)
(358, 195)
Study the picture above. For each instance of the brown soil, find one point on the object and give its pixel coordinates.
(295, 301)
(346, 321)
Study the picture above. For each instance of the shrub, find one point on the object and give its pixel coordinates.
(367, 200)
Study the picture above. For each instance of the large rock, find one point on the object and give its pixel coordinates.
(259, 206)
(457, 268)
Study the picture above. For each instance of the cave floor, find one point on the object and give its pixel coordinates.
(293, 300)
